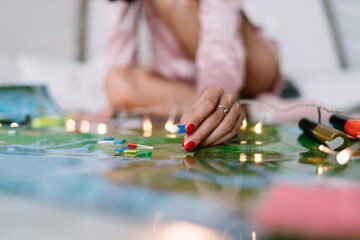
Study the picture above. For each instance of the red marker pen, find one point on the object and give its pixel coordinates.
(345, 124)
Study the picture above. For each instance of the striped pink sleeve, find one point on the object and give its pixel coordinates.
(122, 41)
(220, 59)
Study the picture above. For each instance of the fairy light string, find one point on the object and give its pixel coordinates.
(276, 109)
(273, 109)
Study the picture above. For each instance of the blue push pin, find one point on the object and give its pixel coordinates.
(120, 141)
(181, 129)
(120, 150)
(109, 138)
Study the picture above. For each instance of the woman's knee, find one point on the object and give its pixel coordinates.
(120, 87)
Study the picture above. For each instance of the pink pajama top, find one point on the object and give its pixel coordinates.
(220, 57)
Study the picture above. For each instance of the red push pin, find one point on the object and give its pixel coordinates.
(134, 145)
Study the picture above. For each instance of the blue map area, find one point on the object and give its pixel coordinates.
(19, 102)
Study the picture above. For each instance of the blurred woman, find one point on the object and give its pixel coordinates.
(205, 55)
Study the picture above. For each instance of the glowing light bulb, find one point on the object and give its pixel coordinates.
(243, 142)
(242, 157)
(258, 128)
(186, 230)
(253, 235)
(70, 125)
(14, 125)
(244, 124)
(171, 135)
(101, 128)
(343, 156)
(0, 125)
(147, 134)
(258, 157)
(258, 142)
(147, 127)
(84, 126)
(170, 127)
(322, 148)
(325, 149)
(320, 170)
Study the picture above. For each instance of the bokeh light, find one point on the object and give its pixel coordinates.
(84, 126)
(258, 128)
(102, 128)
(344, 156)
(70, 125)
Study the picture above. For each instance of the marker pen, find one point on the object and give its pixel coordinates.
(334, 139)
(345, 124)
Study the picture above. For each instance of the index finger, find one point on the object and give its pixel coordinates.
(205, 107)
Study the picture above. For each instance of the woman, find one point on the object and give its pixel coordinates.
(206, 54)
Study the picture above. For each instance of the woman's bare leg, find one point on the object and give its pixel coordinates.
(262, 66)
(134, 87)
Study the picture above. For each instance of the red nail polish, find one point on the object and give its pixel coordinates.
(189, 146)
(190, 128)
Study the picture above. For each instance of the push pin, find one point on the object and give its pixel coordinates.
(134, 145)
(120, 150)
(109, 138)
(143, 154)
(120, 141)
(111, 141)
(181, 129)
(12, 132)
(130, 152)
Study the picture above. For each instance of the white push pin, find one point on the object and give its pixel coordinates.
(12, 132)
(110, 140)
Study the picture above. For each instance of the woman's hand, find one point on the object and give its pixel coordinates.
(207, 124)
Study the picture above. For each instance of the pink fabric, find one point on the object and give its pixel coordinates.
(325, 211)
(220, 56)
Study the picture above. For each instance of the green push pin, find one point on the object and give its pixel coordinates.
(48, 121)
(144, 154)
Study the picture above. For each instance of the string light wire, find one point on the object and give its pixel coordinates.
(287, 109)
(273, 109)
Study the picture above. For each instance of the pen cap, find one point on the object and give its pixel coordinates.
(352, 127)
(338, 121)
(307, 125)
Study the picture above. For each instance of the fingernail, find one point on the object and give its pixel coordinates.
(190, 128)
(190, 145)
